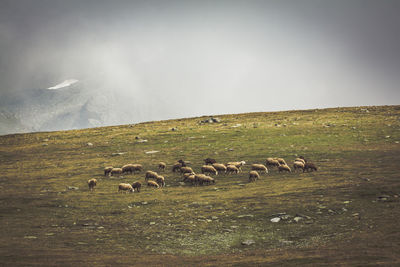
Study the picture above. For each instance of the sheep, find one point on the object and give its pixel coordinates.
(162, 166)
(301, 157)
(176, 166)
(272, 162)
(209, 169)
(92, 183)
(309, 166)
(160, 180)
(186, 170)
(183, 163)
(136, 186)
(128, 168)
(189, 177)
(284, 167)
(253, 176)
(300, 160)
(204, 179)
(107, 170)
(281, 161)
(116, 172)
(198, 178)
(238, 164)
(219, 167)
(152, 184)
(125, 187)
(151, 175)
(298, 165)
(209, 161)
(259, 167)
(137, 168)
(232, 169)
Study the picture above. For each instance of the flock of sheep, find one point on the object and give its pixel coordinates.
(211, 167)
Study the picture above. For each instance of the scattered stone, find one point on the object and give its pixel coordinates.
(383, 198)
(285, 217)
(118, 154)
(152, 223)
(227, 230)
(346, 202)
(45, 140)
(152, 152)
(286, 242)
(30, 237)
(142, 141)
(297, 219)
(248, 242)
(49, 234)
(89, 144)
(234, 226)
(72, 188)
(45, 144)
(246, 215)
(275, 220)
(214, 217)
(144, 203)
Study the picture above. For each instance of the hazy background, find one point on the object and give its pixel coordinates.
(151, 60)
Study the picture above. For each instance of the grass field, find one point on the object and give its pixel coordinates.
(348, 209)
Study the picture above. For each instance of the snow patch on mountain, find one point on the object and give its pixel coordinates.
(65, 83)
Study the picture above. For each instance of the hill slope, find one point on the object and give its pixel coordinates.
(346, 212)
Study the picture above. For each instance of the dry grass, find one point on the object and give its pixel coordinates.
(357, 151)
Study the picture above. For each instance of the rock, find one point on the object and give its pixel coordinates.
(152, 223)
(144, 203)
(227, 230)
(285, 217)
(297, 219)
(383, 198)
(45, 144)
(89, 144)
(275, 220)
(118, 154)
(214, 217)
(248, 242)
(246, 215)
(30, 237)
(152, 151)
(142, 141)
(72, 188)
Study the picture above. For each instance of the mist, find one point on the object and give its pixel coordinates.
(153, 60)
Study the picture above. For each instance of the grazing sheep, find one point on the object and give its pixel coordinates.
(209, 161)
(183, 163)
(253, 176)
(125, 187)
(204, 179)
(301, 157)
(160, 180)
(298, 165)
(137, 168)
(162, 166)
(189, 178)
(152, 184)
(300, 160)
(232, 169)
(259, 167)
(176, 167)
(136, 186)
(281, 161)
(116, 172)
(208, 169)
(128, 168)
(198, 178)
(282, 168)
(92, 183)
(238, 164)
(151, 175)
(186, 170)
(107, 170)
(272, 162)
(309, 166)
(219, 167)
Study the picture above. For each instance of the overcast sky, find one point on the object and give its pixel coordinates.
(208, 57)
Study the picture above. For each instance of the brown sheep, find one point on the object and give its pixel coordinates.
(107, 170)
(92, 183)
(152, 184)
(309, 166)
(116, 172)
(162, 166)
(282, 168)
(160, 180)
(209, 161)
(208, 169)
(298, 165)
(151, 175)
(259, 167)
(136, 186)
(231, 169)
(186, 170)
(183, 162)
(219, 167)
(176, 167)
(253, 176)
(272, 162)
(125, 187)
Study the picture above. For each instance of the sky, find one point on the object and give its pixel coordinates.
(207, 57)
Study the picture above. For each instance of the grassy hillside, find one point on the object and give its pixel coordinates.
(348, 209)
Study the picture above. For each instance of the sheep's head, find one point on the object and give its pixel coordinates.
(243, 162)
